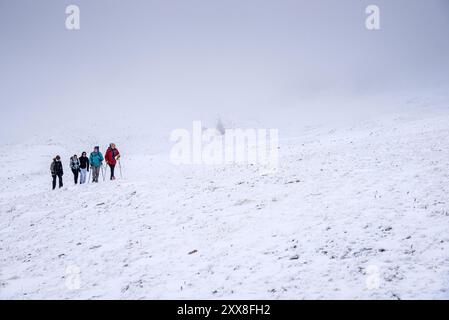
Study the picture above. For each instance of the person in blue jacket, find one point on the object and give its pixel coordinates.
(96, 161)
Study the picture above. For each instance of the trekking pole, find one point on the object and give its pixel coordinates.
(101, 168)
(88, 180)
(120, 167)
(105, 172)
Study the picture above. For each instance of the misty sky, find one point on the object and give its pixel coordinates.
(195, 56)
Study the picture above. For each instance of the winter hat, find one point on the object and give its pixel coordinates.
(97, 148)
(58, 158)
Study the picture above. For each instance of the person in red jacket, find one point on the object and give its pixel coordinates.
(111, 157)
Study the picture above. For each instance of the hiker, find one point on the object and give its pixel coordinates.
(96, 161)
(56, 171)
(84, 167)
(111, 157)
(75, 166)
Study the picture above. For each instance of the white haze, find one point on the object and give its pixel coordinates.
(157, 65)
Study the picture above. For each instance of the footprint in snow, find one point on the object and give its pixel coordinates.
(242, 202)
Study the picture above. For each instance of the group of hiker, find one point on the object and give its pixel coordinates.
(80, 166)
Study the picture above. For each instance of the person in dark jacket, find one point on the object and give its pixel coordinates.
(75, 166)
(84, 167)
(56, 171)
(111, 157)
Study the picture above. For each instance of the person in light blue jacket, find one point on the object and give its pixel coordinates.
(96, 161)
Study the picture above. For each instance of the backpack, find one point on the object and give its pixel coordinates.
(74, 163)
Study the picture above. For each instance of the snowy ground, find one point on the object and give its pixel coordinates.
(357, 212)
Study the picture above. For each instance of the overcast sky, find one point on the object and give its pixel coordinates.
(192, 56)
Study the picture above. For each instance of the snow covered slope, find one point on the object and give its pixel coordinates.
(357, 212)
